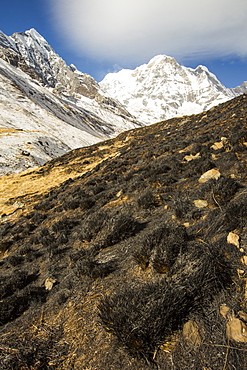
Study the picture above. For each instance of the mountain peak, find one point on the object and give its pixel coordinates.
(35, 35)
(161, 59)
(162, 89)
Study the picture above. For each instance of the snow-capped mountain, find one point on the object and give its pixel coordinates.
(163, 89)
(47, 107)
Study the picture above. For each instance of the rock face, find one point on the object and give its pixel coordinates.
(47, 107)
(163, 89)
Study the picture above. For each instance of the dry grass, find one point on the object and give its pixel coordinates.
(6, 130)
(19, 192)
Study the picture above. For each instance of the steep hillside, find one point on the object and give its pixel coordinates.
(131, 253)
(47, 107)
(163, 89)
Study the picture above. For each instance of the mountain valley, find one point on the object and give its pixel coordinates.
(47, 107)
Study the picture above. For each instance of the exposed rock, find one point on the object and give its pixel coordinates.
(236, 330)
(217, 145)
(225, 310)
(242, 315)
(210, 174)
(220, 144)
(190, 157)
(192, 333)
(233, 238)
(49, 283)
(200, 203)
(244, 260)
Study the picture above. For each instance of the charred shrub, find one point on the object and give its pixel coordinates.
(95, 269)
(224, 189)
(183, 207)
(159, 166)
(6, 243)
(198, 166)
(65, 224)
(15, 260)
(116, 229)
(236, 211)
(5, 229)
(16, 304)
(44, 237)
(13, 307)
(87, 203)
(35, 352)
(36, 217)
(204, 269)
(162, 246)
(17, 281)
(239, 134)
(44, 205)
(142, 318)
(72, 204)
(147, 200)
(233, 215)
(76, 202)
(93, 224)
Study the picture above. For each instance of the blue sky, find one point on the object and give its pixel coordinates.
(101, 36)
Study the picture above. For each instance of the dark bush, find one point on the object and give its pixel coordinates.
(144, 317)
(116, 229)
(224, 189)
(44, 205)
(95, 269)
(161, 246)
(72, 204)
(36, 217)
(17, 281)
(198, 166)
(87, 203)
(65, 224)
(141, 318)
(6, 243)
(44, 237)
(93, 224)
(15, 305)
(15, 260)
(147, 200)
(236, 211)
(183, 207)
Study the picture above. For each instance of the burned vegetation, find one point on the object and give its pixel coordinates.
(139, 262)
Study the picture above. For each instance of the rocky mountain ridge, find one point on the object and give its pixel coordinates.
(47, 107)
(163, 89)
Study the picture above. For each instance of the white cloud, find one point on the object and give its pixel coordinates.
(133, 31)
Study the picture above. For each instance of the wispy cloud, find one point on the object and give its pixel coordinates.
(127, 31)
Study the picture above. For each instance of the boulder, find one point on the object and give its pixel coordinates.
(210, 174)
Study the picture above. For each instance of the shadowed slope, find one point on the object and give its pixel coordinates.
(122, 256)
